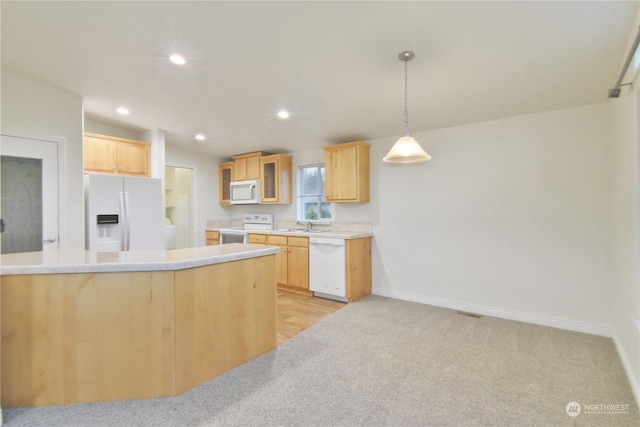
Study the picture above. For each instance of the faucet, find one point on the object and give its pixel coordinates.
(307, 224)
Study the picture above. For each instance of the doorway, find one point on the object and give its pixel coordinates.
(28, 195)
(178, 207)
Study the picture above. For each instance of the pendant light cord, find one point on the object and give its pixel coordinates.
(406, 109)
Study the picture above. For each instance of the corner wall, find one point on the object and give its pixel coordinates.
(510, 218)
(626, 226)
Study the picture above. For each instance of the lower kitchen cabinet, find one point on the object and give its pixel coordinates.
(292, 263)
(213, 238)
(257, 239)
(358, 259)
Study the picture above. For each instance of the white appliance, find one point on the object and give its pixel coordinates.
(123, 213)
(327, 268)
(246, 192)
(252, 222)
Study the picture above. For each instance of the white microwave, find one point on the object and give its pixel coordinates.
(246, 192)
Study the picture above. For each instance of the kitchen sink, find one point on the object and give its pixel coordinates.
(301, 230)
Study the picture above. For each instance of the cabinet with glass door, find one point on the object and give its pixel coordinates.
(275, 173)
(225, 174)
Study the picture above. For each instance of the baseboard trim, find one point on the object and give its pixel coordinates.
(633, 381)
(587, 328)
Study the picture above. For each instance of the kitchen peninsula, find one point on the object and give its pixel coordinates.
(81, 326)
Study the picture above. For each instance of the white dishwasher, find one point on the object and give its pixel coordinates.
(327, 268)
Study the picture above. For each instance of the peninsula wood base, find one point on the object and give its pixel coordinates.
(94, 337)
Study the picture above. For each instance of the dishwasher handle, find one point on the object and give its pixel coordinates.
(335, 243)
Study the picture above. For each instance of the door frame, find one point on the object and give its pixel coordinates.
(62, 193)
(194, 199)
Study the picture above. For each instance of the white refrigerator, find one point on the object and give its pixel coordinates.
(123, 213)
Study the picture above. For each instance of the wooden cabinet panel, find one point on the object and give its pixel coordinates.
(292, 262)
(358, 259)
(213, 238)
(347, 172)
(298, 267)
(277, 240)
(298, 241)
(69, 338)
(258, 239)
(99, 155)
(112, 155)
(275, 173)
(225, 176)
(246, 166)
(225, 315)
(96, 337)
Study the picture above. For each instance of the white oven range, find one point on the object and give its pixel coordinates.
(252, 222)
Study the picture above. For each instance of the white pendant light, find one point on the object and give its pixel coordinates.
(406, 149)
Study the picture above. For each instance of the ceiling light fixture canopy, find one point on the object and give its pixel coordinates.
(406, 149)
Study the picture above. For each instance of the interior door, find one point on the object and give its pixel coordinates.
(28, 195)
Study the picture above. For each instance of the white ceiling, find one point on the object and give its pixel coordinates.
(333, 65)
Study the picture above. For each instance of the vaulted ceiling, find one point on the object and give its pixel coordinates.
(333, 65)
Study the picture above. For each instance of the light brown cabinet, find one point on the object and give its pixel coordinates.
(358, 271)
(213, 238)
(246, 166)
(347, 172)
(117, 156)
(275, 173)
(292, 262)
(258, 239)
(225, 175)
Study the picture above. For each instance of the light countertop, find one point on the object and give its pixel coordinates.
(329, 234)
(81, 261)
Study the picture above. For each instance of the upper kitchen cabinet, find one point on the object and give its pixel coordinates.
(225, 176)
(347, 172)
(117, 156)
(246, 166)
(275, 173)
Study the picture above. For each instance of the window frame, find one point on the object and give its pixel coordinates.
(321, 197)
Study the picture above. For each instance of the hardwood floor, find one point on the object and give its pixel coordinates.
(297, 312)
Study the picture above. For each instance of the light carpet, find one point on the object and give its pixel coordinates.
(387, 362)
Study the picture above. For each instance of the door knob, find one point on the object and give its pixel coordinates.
(49, 240)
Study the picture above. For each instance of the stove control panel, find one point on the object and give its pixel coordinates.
(258, 219)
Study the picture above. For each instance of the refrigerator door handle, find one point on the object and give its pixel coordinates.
(122, 223)
(126, 206)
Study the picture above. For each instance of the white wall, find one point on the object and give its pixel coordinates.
(625, 222)
(205, 191)
(35, 110)
(509, 218)
(95, 126)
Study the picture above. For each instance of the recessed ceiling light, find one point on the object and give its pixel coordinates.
(177, 59)
(283, 114)
(123, 110)
(200, 137)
